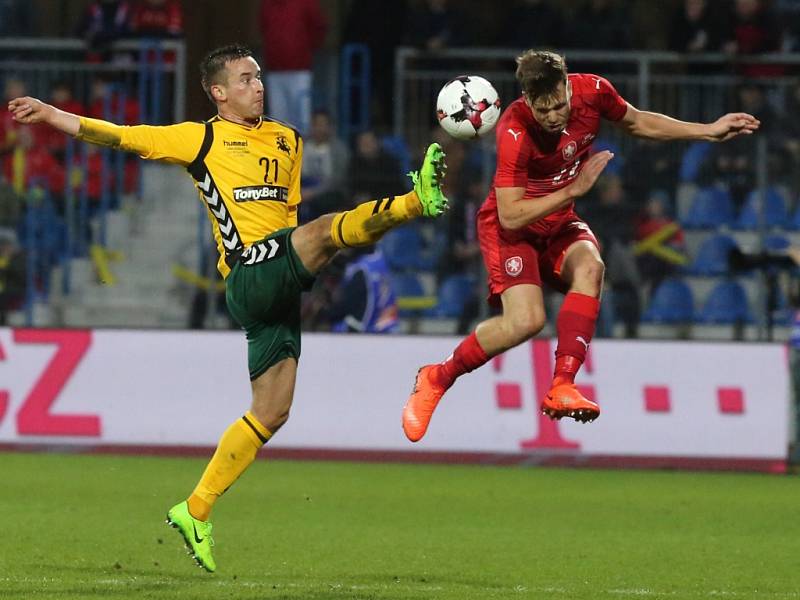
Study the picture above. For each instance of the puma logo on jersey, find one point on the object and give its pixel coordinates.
(516, 134)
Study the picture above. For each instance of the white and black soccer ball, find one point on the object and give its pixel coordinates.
(468, 107)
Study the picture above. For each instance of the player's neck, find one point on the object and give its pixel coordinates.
(239, 120)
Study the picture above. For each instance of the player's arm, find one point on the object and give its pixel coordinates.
(294, 185)
(642, 123)
(515, 210)
(175, 143)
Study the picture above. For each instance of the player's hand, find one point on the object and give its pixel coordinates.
(29, 110)
(590, 172)
(731, 125)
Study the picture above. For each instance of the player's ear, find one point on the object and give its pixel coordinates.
(218, 93)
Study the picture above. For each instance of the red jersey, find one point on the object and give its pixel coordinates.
(543, 162)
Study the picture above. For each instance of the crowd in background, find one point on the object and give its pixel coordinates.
(338, 173)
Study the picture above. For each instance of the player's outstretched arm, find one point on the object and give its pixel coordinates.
(656, 126)
(28, 111)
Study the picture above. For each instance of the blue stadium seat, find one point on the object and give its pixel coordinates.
(407, 286)
(712, 256)
(710, 208)
(672, 302)
(692, 160)
(776, 243)
(727, 304)
(397, 147)
(616, 166)
(775, 213)
(402, 248)
(453, 293)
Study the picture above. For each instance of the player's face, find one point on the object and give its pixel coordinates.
(552, 112)
(244, 90)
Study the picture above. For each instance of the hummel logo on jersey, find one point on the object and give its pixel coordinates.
(516, 134)
(261, 192)
(235, 144)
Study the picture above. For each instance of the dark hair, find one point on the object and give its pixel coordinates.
(539, 72)
(214, 63)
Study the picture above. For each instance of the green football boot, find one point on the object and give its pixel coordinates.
(196, 534)
(428, 182)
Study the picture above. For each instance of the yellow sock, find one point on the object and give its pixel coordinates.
(367, 222)
(237, 448)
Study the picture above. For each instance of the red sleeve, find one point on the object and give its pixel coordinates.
(513, 153)
(611, 105)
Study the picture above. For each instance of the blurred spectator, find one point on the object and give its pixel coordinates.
(16, 18)
(432, 25)
(697, 26)
(30, 162)
(661, 165)
(123, 107)
(364, 301)
(14, 88)
(11, 205)
(292, 30)
(612, 219)
(103, 23)
(599, 25)
(375, 24)
(373, 172)
(61, 97)
(12, 274)
(653, 220)
(325, 162)
(533, 24)
(754, 29)
(731, 165)
(157, 19)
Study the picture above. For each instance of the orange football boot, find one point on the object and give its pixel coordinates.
(564, 400)
(421, 403)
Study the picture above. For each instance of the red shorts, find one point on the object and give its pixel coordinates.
(527, 255)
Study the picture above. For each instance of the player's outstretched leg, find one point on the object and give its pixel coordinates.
(196, 534)
(366, 223)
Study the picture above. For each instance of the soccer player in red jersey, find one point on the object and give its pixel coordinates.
(529, 231)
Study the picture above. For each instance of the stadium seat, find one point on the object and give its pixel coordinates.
(672, 302)
(726, 304)
(775, 213)
(410, 292)
(616, 166)
(397, 147)
(453, 293)
(402, 248)
(711, 208)
(712, 256)
(692, 160)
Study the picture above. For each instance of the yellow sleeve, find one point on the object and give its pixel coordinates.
(177, 144)
(295, 175)
(291, 216)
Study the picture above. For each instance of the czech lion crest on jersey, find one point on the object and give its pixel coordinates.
(569, 150)
(514, 266)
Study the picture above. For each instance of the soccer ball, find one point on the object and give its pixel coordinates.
(467, 107)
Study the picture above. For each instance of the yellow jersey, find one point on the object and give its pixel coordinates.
(248, 177)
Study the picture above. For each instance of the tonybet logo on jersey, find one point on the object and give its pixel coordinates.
(261, 192)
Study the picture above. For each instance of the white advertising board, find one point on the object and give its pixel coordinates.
(154, 388)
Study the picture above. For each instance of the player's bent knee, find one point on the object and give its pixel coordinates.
(589, 275)
(521, 328)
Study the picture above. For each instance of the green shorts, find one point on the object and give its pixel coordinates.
(263, 295)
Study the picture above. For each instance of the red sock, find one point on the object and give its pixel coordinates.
(467, 357)
(575, 326)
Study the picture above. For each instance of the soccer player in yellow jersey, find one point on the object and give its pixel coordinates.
(247, 171)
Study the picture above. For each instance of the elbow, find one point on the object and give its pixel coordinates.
(508, 222)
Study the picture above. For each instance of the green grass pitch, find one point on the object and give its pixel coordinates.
(92, 527)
